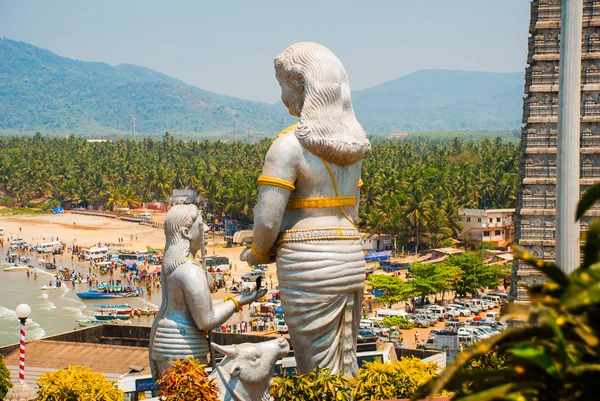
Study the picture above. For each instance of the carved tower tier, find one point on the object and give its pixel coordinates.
(535, 226)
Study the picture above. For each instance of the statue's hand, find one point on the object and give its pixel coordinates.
(246, 255)
(248, 297)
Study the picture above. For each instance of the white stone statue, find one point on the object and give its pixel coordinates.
(307, 210)
(187, 313)
(247, 370)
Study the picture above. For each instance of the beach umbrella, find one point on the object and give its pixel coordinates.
(278, 311)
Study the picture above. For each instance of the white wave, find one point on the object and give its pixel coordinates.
(78, 312)
(47, 305)
(36, 332)
(43, 295)
(7, 314)
(64, 297)
(44, 272)
(149, 303)
(33, 329)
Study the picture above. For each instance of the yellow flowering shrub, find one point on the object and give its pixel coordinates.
(76, 383)
(385, 381)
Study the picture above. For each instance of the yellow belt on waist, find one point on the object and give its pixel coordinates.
(318, 234)
(336, 201)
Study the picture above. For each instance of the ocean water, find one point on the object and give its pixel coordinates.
(57, 310)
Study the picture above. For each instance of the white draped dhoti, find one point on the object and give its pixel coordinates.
(321, 285)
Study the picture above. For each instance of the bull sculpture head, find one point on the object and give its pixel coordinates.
(246, 371)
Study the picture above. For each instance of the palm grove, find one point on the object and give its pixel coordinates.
(412, 189)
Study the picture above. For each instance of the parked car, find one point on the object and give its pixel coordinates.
(461, 309)
(366, 335)
(281, 326)
(253, 275)
(454, 325)
(429, 344)
(475, 309)
(451, 313)
(438, 312)
(487, 305)
(377, 329)
(501, 326)
(494, 299)
(433, 332)
(492, 315)
(480, 304)
(420, 321)
(479, 333)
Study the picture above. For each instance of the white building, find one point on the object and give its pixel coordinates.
(186, 197)
(492, 225)
(376, 242)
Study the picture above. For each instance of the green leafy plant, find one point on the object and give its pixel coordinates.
(5, 383)
(76, 383)
(397, 321)
(186, 380)
(555, 355)
(317, 385)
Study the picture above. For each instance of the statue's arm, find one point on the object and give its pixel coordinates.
(197, 297)
(281, 163)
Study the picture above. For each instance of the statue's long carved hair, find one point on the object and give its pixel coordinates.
(327, 126)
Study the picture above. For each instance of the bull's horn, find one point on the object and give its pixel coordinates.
(227, 350)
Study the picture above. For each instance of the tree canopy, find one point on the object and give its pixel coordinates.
(413, 189)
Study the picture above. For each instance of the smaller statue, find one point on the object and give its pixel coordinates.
(246, 371)
(187, 314)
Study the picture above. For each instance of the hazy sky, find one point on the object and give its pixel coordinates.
(228, 46)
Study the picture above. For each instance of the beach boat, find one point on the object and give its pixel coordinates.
(121, 316)
(49, 287)
(88, 322)
(120, 310)
(104, 292)
(111, 316)
(13, 267)
(116, 307)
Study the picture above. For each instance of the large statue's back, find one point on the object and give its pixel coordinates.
(315, 182)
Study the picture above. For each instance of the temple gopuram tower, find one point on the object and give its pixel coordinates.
(535, 225)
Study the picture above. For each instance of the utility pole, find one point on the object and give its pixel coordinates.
(568, 151)
(133, 128)
(234, 129)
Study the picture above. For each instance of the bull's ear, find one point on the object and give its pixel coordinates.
(235, 370)
(227, 350)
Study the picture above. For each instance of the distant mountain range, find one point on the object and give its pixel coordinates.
(441, 100)
(40, 90)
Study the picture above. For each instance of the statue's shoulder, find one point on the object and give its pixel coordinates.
(286, 131)
(286, 144)
(188, 268)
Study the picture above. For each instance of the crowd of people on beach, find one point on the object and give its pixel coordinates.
(259, 325)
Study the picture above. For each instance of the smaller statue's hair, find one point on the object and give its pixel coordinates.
(178, 218)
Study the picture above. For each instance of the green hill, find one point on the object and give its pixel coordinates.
(441, 100)
(40, 90)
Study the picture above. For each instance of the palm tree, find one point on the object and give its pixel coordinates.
(115, 198)
(417, 210)
(162, 185)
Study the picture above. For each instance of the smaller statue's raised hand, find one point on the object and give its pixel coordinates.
(248, 297)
